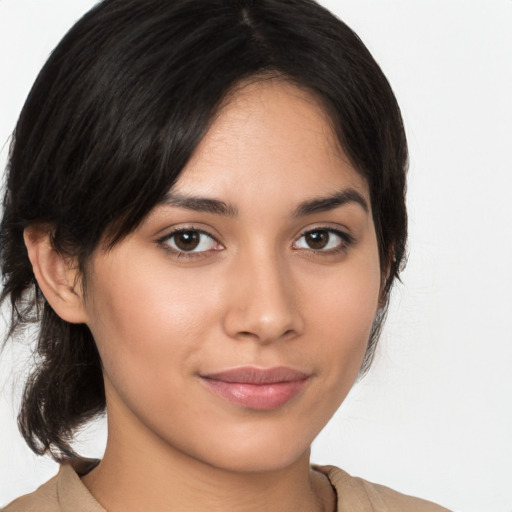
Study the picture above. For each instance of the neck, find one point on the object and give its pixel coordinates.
(142, 484)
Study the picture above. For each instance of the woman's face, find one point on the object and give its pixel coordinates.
(233, 322)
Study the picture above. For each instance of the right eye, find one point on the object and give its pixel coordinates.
(185, 241)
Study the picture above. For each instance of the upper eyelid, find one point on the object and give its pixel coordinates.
(184, 230)
(168, 233)
(337, 230)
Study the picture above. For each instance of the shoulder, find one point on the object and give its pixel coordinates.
(65, 492)
(362, 496)
(44, 499)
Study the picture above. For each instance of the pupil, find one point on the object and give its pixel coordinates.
(187, 240)
(317, 239)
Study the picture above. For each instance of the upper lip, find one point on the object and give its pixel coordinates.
(253, 375)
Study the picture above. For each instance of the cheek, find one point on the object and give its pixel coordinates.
(145, 321)
(341, 313)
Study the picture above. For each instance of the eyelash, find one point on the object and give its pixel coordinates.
(346, 241)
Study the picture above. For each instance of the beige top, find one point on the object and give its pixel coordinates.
(65, 492)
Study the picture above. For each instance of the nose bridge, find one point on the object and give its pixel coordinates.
(263, 303)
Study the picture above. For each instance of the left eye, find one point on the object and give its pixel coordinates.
(190, 240)
(321, 240)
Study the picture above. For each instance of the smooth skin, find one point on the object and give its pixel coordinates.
(271, 276)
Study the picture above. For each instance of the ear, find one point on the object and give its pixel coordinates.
(385, 273)
(383, 296)
(57, 278)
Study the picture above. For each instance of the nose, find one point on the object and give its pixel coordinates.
(263, 301)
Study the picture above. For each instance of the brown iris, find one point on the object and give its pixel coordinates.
(187, 240)
(317, 239)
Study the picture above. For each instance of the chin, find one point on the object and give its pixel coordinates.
(260, 450)
(265, 460)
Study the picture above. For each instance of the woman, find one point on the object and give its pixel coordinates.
(205, 215)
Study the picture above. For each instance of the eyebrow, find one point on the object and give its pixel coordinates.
(324, 204)
(200, 204)
(308, 207)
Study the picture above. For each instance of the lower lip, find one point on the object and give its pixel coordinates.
(256, 396)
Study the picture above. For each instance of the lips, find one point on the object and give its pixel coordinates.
(257, 388)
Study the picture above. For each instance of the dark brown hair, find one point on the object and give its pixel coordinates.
(113, 118)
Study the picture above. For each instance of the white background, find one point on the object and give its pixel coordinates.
(434, 416)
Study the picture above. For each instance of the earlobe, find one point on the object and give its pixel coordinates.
(56, 276)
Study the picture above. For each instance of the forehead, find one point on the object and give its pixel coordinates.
(274, 140)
